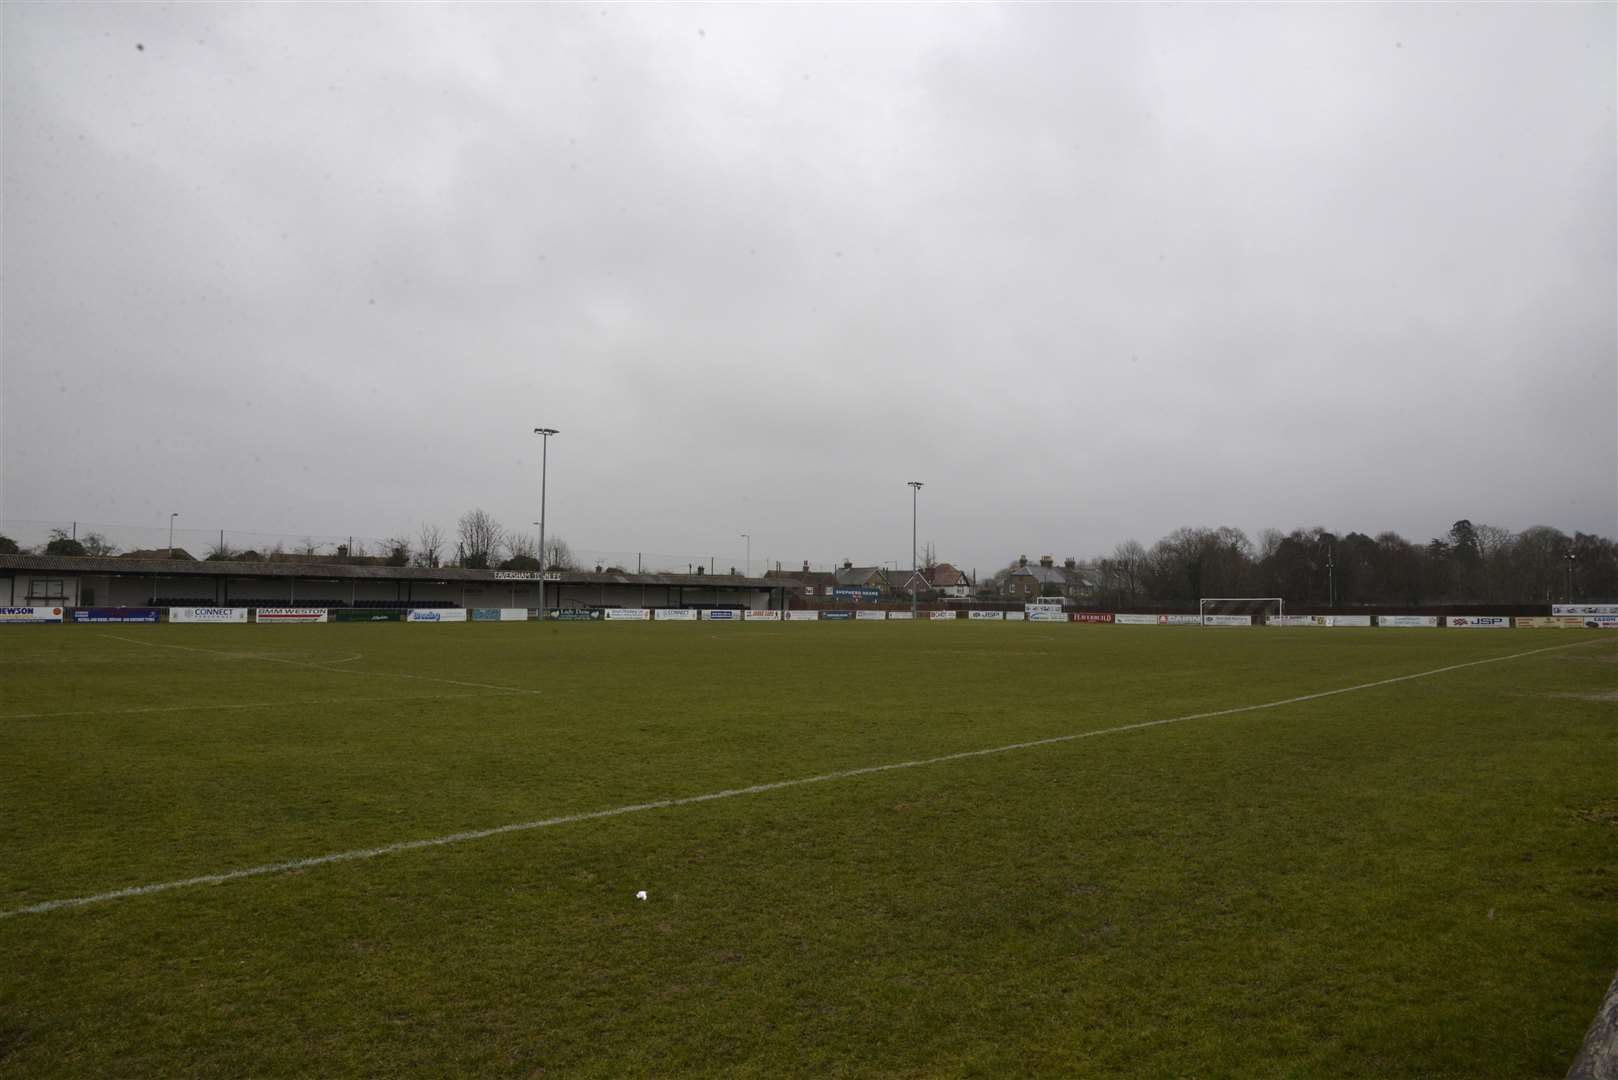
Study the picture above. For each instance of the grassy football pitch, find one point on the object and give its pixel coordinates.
(1416, 878)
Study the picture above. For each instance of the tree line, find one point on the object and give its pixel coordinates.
(1471, 564)
(478, 542)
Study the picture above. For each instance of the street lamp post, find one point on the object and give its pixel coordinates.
(749, 538)
(544, 434)
(1571, 558)
(915, 489)
(171, 534)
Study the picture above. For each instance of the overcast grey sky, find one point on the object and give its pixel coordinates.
(1091, 273)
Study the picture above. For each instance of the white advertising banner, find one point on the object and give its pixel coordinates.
(1479, 622)
(290, 615)
(30, 614)
(1549, 622)
(761, 616)
(1407, 620)
(899, 615)
(674, 614)
(1348, 620)
(208, 614)
(627, 614)
(436, 614)
(722, 614)
(1297, 620)
(870, 615)
(1227, 620)
(1014, 616)
(941, 616)
(1038, 605)
(1124, 619)
(1584, 609)
(1044, 615)
(1601, 622)
(995, 615)
(803, 616)
(513, 614)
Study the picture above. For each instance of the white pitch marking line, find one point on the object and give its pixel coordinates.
(285, 704)
(728, 793)
(323, 666)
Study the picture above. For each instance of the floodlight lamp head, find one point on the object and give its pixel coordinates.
(917, 484)
(545, 431)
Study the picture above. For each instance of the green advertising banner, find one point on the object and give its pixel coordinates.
(573, 614)
(365, 615)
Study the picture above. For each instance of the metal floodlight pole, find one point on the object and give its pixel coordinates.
(544, 434)
(915, 489)
(1571, 558)
(749, 571)
(177, 514)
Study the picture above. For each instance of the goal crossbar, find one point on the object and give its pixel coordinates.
(1202, 605)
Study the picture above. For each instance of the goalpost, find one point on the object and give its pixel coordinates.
(1247, 606)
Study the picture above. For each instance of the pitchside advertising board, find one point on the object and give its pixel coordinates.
(856, 594)
(675, 614)
(1407, 621)
(1297, 620)
(1347, 620)
(485, 614)
(1092, 616)
(1550, 622)
(762, 616)
(1043, 615)
(996, 615)
(722, 614)
(1227, 620)
(940, 616)
(118, 615)
(573, 614)
(437, 614)
(628, 614)
(1584, 609)
(367, 615)
(208, 614)
(290, 615)
(30, 615)
(900, 615)
(837, 616)
(1014, 616)
(1601, 622)
(870, 614)
(1478, 622)
(803, 616)
(1156, 620)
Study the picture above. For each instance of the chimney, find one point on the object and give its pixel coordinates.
(1071, 564)
(700, 568)
(1022, 560)
(806, 566)
(848, 564)
(1047, 561)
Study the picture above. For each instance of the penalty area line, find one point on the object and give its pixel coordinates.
(732, 793)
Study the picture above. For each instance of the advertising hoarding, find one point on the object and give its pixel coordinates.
(118, 615)
(1584, 609)
(900, 615)
(837, 616)
(844, 593)
(879, 615)
(1348, 620)
(290, 615)
(803, 616)
(437, 614)
(1092, 616)
(1549, 622)
(358, 615)
(995, 615)
(941, 616)
(761, 616)
(30, 614)
(513, 614)
(1407, 621)
(208, 614)
(1478, 622)
(627, 614)
(722, 614)
(1227, 620)
(574, 614)
(674, 614)
(1038, 614)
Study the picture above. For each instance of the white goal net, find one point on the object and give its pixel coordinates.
(1238, 610)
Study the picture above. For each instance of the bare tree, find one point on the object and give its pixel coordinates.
(396, 550)
(929, 556)
(522, 553)
(480, 537)
(219, 551)
(429, 546)
(308, 547)
(558, 556)
(97, 544)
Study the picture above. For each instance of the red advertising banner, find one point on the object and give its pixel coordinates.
(1092, 616)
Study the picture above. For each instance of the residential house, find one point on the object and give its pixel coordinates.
(818, 583)
(1028, 583)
